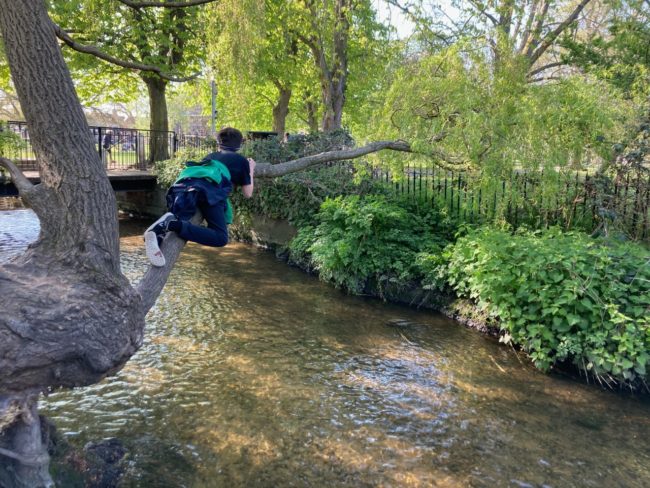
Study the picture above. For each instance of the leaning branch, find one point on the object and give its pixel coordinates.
(19, 180)
(190, 3)
(550, 38)
(265, 170)
(94, 51)
(544, 68)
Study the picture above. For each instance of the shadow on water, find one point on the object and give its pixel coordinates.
(254, 374)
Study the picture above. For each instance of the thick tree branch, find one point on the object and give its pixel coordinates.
(94, 51)
(17, 177)
(265, 170)
(153, 281)
(536, 71)
(529, 40)
(189, 3)
(553, 35)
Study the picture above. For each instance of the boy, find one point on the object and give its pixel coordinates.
(204, 186)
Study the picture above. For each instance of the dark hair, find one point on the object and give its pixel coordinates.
(230, 138)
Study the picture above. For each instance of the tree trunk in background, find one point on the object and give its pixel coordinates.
(159, 124)
(69, 316)
(333, 101)
(281, 110)
(311, 108)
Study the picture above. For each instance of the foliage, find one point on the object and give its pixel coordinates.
(167, 171)
(619, 55)
(460, 111)
(561, 297)
(366, 240)
(10, 143)
(274, 150)
(297, 197)
(257, 48)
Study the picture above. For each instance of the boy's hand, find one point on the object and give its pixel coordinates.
(251, 163)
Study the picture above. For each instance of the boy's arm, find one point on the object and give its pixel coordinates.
(247, 190)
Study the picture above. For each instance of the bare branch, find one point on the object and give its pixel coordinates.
(94, 51)
(482, 10)
(19, 180)
(189, 3)
(265, 170)
(544, 68)
(553, 35)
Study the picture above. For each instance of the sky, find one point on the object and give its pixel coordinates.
(393, 16)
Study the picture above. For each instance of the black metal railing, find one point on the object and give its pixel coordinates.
(118, 148)
(579, 200)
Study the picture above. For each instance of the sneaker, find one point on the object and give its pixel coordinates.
(160, 226)
(152, 249)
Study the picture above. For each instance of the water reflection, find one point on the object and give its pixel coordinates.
(253, 374)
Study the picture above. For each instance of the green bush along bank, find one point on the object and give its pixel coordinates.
(564, 298)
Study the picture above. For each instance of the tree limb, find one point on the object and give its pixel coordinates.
(483, 11)
(553, 35)
(189, 3)
(153, 281)
(536, 71)
(265, 170)
(93, 50)
(19, 180)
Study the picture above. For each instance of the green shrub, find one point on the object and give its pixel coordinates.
(562, 297)
(10, 142)
(168, 170)
(361, 240)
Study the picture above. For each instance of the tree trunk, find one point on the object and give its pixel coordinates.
(69, 316)
(159, 124)
(311, 108)
(281, 110)
(333, 100)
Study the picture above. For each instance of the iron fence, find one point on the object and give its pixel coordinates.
(118, 148)
(576, 200)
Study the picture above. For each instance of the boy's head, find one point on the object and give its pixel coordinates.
(230, 139)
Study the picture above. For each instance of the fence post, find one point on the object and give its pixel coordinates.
(100, 149)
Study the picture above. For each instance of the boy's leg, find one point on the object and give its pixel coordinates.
(216, 234)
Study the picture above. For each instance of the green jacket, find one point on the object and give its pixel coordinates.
(212, 170)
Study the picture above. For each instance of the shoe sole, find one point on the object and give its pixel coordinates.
(152, 249)
(161, 219)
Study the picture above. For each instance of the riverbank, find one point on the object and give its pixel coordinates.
(561, 298)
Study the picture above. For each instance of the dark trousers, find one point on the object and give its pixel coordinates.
(188, 196)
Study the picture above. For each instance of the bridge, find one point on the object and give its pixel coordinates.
(121, 181)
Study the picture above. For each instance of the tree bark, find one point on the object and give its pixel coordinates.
(69, 316)
(311, 108)
(158, 121)
(281, 110)
(333, 73)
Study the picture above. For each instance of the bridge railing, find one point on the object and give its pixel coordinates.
(118, 148)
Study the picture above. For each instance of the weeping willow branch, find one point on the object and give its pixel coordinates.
(189, 3)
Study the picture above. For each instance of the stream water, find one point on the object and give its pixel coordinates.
(254, 374)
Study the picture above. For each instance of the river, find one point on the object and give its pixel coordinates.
(253, 374)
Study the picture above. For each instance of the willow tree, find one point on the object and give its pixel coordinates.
(258, 62)
(342, 36)
(69, 316)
